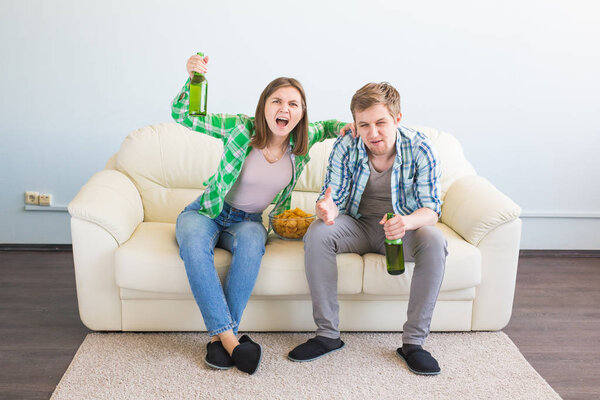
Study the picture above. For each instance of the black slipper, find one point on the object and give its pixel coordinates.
(217, 357)
(247, 355)
(420, 361)
(311, 350)
(245, 338)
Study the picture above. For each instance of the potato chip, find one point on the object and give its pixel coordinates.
(292, 224)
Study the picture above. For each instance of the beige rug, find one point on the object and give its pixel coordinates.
(482, 365)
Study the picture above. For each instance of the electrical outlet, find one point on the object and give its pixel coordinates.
(32, 198)
(45, 199)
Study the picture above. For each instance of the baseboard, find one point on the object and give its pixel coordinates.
(35, 247)
(560, 253)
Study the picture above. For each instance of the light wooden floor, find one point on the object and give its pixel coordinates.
(555, 323)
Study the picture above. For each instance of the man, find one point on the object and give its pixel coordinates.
(387, 167)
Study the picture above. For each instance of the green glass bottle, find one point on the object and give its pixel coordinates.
(394, 254)
(198, 93)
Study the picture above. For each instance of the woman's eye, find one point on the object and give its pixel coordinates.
(293, 105)
(275, 101)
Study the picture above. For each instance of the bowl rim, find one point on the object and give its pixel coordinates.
(284, 219)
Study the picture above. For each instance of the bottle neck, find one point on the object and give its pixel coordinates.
(197, 79)
(201, 54)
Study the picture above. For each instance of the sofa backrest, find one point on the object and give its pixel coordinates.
(169, 164)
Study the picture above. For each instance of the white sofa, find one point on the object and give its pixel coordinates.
(130, 276)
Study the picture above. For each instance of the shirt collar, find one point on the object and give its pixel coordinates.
(362, 151)
(398, 160)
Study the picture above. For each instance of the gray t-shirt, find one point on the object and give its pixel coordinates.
(376, 200)
(259, 182)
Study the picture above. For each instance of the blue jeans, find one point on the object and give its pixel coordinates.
(240, 233)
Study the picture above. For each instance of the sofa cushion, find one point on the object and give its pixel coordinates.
(150, 261)
(282, 270)
(311, 179)
(463, 269)
(169, 164)
(452, 157)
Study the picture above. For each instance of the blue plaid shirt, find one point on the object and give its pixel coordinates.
(415, 174)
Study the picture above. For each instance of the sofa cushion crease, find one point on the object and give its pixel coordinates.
(282, 269)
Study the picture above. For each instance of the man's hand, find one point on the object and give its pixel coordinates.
(326, 208)
(394, 228)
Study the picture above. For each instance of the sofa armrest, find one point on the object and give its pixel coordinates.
(473, 207)
(110, 200)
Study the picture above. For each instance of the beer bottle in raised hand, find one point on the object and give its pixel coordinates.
(198, 93)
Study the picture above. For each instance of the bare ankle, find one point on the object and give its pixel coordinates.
(229, 341)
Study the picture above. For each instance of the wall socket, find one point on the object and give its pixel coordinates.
(32, 198)
(45, 199)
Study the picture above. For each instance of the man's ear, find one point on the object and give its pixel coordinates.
(398, 118)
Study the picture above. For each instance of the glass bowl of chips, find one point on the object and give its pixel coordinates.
(291, 224)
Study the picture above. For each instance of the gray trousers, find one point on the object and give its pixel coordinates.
(426, 246)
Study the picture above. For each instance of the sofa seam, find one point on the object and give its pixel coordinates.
(493, 229)
(113, 235)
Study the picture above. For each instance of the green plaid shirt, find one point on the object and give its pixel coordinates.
(236, 131)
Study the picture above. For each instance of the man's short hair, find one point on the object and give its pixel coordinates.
(376, 93)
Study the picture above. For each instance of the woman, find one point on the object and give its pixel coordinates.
(262, 160)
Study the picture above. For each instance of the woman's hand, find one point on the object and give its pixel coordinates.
(349, 128)
(197, 64)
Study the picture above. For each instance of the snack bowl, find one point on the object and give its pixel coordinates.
(291, 224)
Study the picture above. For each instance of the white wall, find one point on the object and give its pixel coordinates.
(516, 81)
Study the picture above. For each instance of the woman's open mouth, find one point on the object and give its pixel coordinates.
(281, 122)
